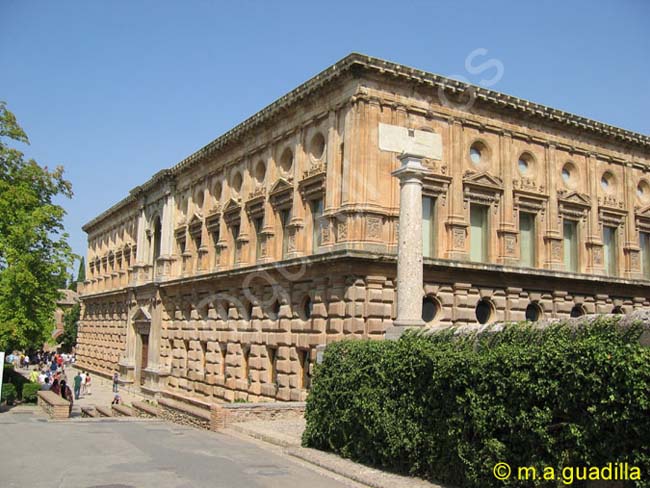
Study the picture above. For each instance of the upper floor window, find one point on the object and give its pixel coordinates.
(428, 227)
(527, 239)
(235, 246)
(285, 218)
(610, 250)
(570, 236)
(645, 253)
(157, 232)
(258, 223)
(316, 216)
(478, 236)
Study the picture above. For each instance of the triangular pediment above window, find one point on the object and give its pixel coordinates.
(575, 198)
(141, 315)
(643, 211)
(195, 220)
(483, 179)
(280, 186)
(231, 206)
(281, 194)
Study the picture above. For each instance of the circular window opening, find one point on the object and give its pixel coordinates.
(577, 311)
(317, 146)
(568, 172)
(618, 310)
(477, 153)
(607, 182)
(525, 163)
(643, 191)
(430, 309)
(199, 199)
(533, 312)
(286, 160)
(237, 182)
(260, 171)
(306, 308)
(484, 311)
(216, 191)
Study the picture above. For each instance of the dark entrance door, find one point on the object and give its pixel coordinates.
(144, 356)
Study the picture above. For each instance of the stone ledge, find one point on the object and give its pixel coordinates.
(225, 414)
(186, 399)
(121, 411)
(88, 412)
(144, 409)
(56, 407)
(183, 414)
(104, 411)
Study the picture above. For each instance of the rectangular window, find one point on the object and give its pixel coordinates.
(235, 247)
(527, 239)
(428, 227)
(285, 218)
(316, 216)
(571, 245)
(215, 244)
(645, 254)
(610, 250)
(259, 224)
(478, 233)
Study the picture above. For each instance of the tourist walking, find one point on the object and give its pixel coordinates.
(88, 384)
(83, 384)
(77, 386)
(115, 382)
(66, 394)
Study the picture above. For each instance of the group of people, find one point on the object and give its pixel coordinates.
(50, 372)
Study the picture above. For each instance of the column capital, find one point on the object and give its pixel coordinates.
(411, 167)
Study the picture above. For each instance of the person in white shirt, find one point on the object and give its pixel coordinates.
(83, 383)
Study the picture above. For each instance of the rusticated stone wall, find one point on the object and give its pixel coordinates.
(101, 339)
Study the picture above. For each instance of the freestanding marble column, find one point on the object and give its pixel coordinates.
(409, 246)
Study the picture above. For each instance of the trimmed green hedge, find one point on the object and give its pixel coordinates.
(30, 392)
(14, 377)
(449, 409)
(8, 394)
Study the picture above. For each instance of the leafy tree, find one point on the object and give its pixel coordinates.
(70, 326)
(34, 252)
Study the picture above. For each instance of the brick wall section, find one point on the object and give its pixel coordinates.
(226, 414)
(56, 407)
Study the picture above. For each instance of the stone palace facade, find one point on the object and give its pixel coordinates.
(219, 277)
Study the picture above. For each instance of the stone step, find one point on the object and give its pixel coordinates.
(121, 411)
(104, 411)
(89, 412)
(145, 409)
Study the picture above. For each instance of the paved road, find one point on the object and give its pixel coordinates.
(137, 454)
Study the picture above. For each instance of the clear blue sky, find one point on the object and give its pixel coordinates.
(117, 90)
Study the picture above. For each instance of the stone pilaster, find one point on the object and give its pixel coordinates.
(409, 249)
(552, 237)
(631, 248)
(456, 224)
(595, 261)
(507, 231)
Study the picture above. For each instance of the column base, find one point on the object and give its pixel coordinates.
(401, 326)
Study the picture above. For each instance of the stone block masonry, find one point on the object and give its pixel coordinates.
(218, 278)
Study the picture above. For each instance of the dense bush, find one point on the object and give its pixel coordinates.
(14, 377)
(30, 392)
(8, 394)
(449, 409)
